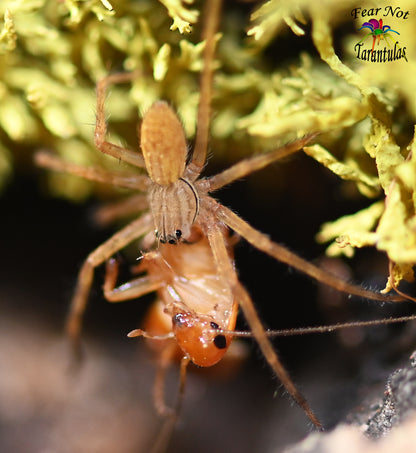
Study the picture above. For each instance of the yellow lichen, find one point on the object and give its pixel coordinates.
(393, 229)
(349, 171)
(182, 18)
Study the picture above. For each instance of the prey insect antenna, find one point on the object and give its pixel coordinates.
(322, 329)
(141, 333)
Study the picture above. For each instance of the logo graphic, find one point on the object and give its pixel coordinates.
(379, 31)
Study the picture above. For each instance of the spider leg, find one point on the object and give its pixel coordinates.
(387, 35)
(277, 251)
(226, 269)
(102, 253)
(126, 155)
(129, 180)
(359, 42)
(250, 165)
(369, 26)
(110, 212)
(374, 41)
(393, 284)
(212, 14)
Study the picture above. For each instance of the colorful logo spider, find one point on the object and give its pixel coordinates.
(378, 31)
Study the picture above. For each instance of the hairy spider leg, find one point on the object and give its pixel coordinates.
(127, 180)
(126, 155)
(260, 240)
(110, 212)
(281, 253)
(227, 271)
(212, 13)
(101, 254)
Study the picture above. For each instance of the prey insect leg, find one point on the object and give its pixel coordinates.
(169, 424)
(131, 290)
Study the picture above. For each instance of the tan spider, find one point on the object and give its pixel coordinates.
(174, 198)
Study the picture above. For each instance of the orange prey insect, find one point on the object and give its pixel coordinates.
(194, 308)
(176, 198)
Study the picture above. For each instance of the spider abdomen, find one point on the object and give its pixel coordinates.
(163, 144)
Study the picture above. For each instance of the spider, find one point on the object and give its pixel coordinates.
(378, 31)
(174, 198)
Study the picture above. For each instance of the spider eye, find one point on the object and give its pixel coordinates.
(178, 233)
(214, 325)
(220, 342)
(172, 241)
